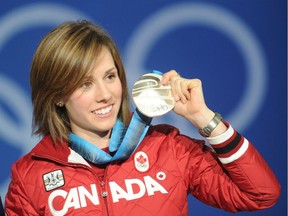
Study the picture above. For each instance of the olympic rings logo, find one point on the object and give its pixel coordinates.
(210, 16)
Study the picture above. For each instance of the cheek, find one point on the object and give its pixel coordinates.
(76, 103)
(118, 90)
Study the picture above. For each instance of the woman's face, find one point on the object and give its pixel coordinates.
(94, 106)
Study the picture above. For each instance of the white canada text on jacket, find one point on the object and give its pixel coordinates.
(77, 197)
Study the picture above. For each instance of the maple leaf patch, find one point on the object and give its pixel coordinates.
(141, 161)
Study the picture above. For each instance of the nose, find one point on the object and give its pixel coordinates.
(102, 93)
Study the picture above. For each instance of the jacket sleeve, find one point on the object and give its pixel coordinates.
(232, 176)
(16, 201)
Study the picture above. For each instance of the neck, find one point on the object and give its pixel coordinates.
(102, 143)
(101, 140)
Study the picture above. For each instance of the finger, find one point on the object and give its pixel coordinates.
(179, 89)
(186, 95)
(184, 91)
(174, 89)
(184, 88)
(168, 77)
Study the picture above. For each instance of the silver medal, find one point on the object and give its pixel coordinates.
(151, 98)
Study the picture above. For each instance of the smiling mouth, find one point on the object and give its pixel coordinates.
(103, 111)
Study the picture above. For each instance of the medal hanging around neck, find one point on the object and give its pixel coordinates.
(151, 99)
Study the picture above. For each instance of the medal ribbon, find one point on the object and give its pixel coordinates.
(124, 140)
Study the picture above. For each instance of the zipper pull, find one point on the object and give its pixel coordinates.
(104, 194)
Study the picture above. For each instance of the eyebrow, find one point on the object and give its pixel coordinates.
(111, 70)
(89, 76)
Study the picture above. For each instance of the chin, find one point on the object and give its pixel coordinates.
(107, 126)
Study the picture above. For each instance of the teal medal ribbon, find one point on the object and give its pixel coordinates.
(124, 141)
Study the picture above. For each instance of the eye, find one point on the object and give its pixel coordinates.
(111, 76)
(86, 85)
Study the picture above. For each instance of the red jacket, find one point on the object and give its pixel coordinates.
(155, 180)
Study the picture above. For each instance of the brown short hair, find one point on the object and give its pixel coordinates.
(60, 63)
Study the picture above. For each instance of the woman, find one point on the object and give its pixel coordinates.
(79, 94)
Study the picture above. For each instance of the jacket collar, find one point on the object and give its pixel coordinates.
(59, 152)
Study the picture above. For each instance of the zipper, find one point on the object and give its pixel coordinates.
(104, 192)
(104, 195)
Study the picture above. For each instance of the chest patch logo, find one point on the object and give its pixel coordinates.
(53, 180)
(141, 161)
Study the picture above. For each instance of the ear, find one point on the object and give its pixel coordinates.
(60, 104)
